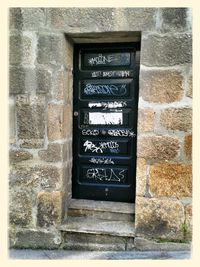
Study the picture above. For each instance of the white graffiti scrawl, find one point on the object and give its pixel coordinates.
(121, 132)
(112, 73)
(109, 175)
(105, 89)
(89, 145)
(109, 144)
(90, 132)
(123, 73)
(105, 105)
(101, 161)
(92, 147)
(101, 60)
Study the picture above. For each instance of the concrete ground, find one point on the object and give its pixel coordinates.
(96, 255)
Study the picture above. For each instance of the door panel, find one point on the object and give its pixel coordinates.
(102, 175)
(105, 121)
(106, 89)
(108, 59)
(106, 118)
(102, 146)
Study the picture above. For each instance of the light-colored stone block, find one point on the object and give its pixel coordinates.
(171, 180)
(161, 86)
(177, 119)
(159, 218)
(157, 147)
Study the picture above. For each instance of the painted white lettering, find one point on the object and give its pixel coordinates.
(111, 145)
(105, 105)
(105, 89)
(101, 60)
(90, 132)
(90, 146)
(123, 74)
(113, 175)
(96, 74)
(121, 132)
(101, 161)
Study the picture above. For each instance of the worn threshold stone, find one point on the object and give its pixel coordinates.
(102, 206)
(102, 215)
(93, 242)
(87, 225)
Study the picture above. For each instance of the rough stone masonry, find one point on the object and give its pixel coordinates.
(40, 100)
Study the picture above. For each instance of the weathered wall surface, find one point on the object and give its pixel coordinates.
(164, 173)
(41, 118)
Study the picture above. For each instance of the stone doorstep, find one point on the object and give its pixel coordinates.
(86, 233)
(98, 227)
(92, 242)
(113, 211)
(102, 215)
(118, 207)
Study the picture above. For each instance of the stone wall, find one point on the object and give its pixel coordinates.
(41, 62)
(164, 170)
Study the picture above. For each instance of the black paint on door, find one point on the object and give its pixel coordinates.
(105, 121)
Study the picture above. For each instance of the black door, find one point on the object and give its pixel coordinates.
(105, 121)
